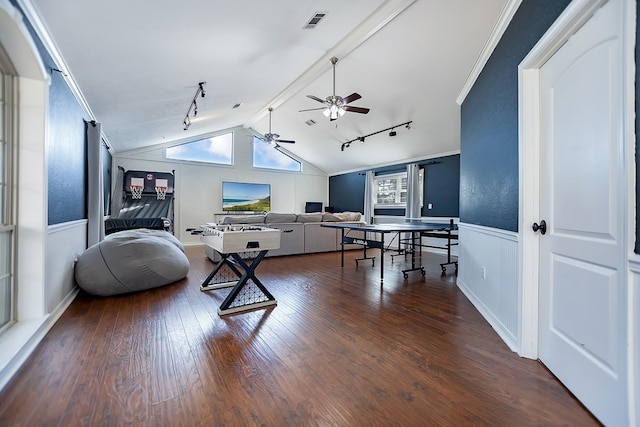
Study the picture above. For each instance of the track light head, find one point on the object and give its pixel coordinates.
(193, 108)
(408, 125)
(393, 133)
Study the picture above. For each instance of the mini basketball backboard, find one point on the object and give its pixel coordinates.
(136, 186)
(161, 188)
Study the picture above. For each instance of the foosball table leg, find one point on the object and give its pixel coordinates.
(234, 302)
(207, 285)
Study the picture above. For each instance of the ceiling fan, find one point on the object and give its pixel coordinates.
(336, 106)
(273, 138)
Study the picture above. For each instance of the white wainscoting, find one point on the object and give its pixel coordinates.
(65, 242)
(488, 276)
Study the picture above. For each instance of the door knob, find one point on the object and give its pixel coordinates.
(542, 227)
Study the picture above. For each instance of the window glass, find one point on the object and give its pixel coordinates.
(268, 156)
(216, 149)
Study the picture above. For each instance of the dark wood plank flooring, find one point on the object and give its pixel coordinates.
(339, 349)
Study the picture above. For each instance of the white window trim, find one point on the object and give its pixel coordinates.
(396, 175)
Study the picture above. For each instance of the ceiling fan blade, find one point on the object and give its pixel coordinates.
(354, 96)
(315, 98)
(260, 137)
(286, 141)
(312, 109)
(360, 110)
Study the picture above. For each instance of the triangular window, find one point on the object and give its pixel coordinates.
(216, 149)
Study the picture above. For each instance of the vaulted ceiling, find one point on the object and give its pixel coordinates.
(138, 65)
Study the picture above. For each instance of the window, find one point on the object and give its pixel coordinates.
(391, 190)
(268, 156)
(217, 149)
(7, 226)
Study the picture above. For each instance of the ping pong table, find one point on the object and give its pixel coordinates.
(414, 228)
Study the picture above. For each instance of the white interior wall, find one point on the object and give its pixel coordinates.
(199, 185)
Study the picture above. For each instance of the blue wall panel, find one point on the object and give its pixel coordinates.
(67, 170)
(489, 122)
(346, 192)
(637, 55)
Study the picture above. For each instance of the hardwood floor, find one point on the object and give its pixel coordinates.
(339, 349)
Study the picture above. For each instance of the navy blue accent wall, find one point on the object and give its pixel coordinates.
(489, 122)
(346, 192)
(637, 57)
(442, 181)
(442, 187)
(66, 149)
(67, 154)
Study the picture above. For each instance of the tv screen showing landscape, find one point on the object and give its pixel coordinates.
(246, 197)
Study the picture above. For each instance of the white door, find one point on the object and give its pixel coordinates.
(582, 186)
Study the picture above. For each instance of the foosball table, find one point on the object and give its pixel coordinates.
(241, 248)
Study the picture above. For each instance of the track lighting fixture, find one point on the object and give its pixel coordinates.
(193, 107)
(362, 138)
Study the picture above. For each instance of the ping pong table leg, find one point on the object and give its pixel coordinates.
(413, 259)
(382, 257)
(342, 248)
(364, 251)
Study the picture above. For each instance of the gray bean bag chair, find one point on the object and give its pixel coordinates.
(131, 260)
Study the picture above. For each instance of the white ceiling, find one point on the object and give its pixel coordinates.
(138, 65)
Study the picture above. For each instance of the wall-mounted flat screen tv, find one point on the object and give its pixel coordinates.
(246, 197)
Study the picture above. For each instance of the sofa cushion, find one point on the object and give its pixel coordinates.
(280, 218)
(349, 216)
(329, 217)
(310, 217)
(243, 219)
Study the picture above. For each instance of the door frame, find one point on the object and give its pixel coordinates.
(574, 16)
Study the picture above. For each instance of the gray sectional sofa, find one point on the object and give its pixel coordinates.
(301, 233)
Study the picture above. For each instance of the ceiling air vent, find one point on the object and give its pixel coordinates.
(310, 122)
(315, 19)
